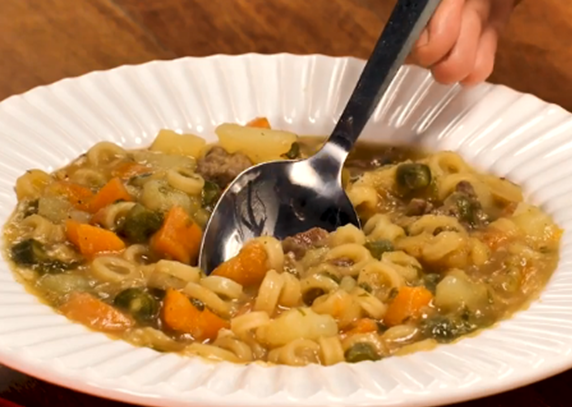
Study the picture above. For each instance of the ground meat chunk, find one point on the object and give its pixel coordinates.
(418, 206)
(300, 243)
(220, 167)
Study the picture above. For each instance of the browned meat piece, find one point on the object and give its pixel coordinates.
(300, 243)
(418, 206)
(221, 167)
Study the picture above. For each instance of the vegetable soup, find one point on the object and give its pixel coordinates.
(111, 241)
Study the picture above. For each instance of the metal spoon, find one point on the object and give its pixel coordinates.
(283, 198)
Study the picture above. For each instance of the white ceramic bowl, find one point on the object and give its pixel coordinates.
(493, 127)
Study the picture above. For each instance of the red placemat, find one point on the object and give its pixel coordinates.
(6, 403)
(20, 390)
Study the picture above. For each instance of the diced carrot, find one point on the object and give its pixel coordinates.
(259, 123)
(113, 191)
(179, 237)
(92, 240)
(92, 312)
(72, 232)
(494, 238)
(361, 326)
(78, 195)
(248, 268)
(129, 169)
(181, 315)
(408, 304)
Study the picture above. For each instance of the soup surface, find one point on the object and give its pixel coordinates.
(111, 241)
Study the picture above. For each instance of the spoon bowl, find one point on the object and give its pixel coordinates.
(278, 199)
(283, 198)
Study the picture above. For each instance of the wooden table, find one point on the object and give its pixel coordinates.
(42, 41)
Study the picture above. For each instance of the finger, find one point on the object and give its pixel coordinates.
(485, 60)
(459, 63)
(484, 64)
(440, 35)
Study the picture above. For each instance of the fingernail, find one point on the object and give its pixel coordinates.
(423, 38)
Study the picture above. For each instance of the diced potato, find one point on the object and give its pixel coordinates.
(170, 142)
(258, 144)
(294, 324)
(538, 228)
(55, 209)
(456, 291)
(62, 284)
(160, 161)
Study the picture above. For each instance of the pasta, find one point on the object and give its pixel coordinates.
(444, 251)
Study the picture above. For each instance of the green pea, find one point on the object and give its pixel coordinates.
(413, 176)
(361, 352)
(139, 303)
(140, 223)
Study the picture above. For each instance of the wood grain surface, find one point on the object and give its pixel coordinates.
(42, 41)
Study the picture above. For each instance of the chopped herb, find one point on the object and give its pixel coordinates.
(445, 329)
(198, 304)
(379, 247)
(31, 253)
(392, 294)
(331, 276)
(366, 286)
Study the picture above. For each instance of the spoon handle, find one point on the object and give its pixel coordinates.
(405, 24)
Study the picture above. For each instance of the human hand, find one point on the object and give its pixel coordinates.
(460, 42)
